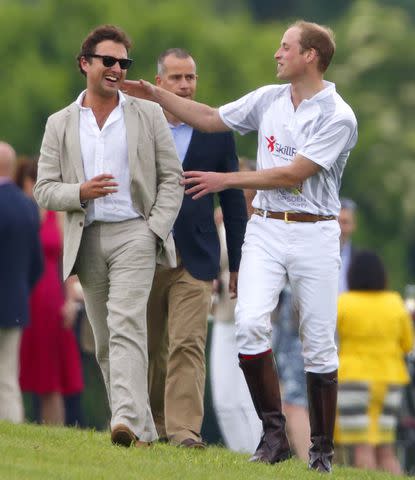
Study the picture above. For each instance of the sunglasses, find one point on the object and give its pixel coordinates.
(108, 61)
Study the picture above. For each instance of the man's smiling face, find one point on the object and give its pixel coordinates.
(101, 80)
(291, 60)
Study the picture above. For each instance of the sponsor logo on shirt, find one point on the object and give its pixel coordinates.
(277, 148)
(286, 152)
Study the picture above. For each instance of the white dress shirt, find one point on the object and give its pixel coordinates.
(106, 151)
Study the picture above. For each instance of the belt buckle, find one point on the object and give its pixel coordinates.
(286, 218)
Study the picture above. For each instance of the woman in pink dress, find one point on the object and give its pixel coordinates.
(50, 363)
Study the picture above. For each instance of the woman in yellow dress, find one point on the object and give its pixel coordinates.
(375, 332)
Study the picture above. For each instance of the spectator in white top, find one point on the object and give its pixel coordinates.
(305, 134)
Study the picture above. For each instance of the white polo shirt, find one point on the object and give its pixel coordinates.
(322, 129)
(105, 151)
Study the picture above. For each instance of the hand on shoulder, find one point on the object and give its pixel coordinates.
(139, 89)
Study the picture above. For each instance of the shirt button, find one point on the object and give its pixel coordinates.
(81, 224)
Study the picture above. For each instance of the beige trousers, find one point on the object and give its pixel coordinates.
(115, 266)
(177, 328)
(11, 404)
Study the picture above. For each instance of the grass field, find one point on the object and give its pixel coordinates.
(39, 452)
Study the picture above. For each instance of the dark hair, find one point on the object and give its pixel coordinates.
(98, 35)
(319, 37)
(26, 167)
(177, 52)
(366, 272)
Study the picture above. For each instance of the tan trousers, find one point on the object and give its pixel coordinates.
(115, 265)
(11, 404)
(177, 328)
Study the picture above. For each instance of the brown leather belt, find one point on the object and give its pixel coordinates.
(289, 217)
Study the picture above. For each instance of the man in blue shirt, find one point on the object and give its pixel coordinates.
(181, 297)
(347, 222)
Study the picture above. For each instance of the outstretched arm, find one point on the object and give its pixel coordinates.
(198, 115)
(278, 177)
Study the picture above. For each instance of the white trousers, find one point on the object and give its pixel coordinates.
(11, 404)
(238, 421)
(308, 256)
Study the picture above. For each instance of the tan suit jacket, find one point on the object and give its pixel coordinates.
(155, 172)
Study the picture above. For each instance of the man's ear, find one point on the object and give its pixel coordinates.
(158, 80)
(83, 62)
(311, 55)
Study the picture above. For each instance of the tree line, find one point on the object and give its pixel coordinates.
(373, 70)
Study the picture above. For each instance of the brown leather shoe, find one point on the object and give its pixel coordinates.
(321, 461)
(192, 443)
(123, 436)
(273, 448)
(261, 376)
(322, 399)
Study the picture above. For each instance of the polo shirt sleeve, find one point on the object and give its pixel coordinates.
(245, 115)
(332, 140)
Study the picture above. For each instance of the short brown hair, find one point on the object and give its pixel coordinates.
(98, 35)
(319, 37)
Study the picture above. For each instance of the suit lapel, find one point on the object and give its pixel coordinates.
(73, 142)
(188, 156)
(132, 127)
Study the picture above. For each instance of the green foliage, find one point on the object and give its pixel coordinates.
(373, 69)
(38, 452)
(42, 39)
(320, 11)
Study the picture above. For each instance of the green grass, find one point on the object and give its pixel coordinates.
(39, 452)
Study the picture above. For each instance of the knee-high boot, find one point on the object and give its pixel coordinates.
(322, 401)
(262, 379)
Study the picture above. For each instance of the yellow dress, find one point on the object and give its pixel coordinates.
(374, 332)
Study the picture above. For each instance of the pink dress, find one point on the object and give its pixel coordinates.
(49, 355)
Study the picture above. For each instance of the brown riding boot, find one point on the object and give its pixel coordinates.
(322, 401)
(262, 379)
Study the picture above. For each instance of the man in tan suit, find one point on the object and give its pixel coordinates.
(110, 163)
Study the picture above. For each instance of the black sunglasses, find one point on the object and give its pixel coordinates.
(108, 61)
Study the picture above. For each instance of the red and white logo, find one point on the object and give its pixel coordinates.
(278, 149)
(271, 143)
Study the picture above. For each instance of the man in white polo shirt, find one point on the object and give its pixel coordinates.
(305, 134)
